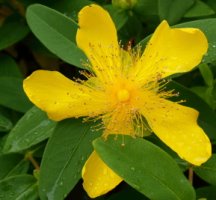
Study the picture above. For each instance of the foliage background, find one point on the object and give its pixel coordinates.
(39, 157)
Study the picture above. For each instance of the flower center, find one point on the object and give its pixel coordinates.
(123, 95)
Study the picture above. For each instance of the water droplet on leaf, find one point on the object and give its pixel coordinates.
(132, 168)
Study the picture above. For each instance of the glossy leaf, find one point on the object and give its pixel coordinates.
(57, 32)
(7, 35)
(206, 193)
(119, 16)
(71, 8)
(145, 167)
(206, 93)
(199, 9)
(5, 123)
(146, 8)
(20, 187)
(206, 74)
(64, 157)
(12, 94)
(12, 164)
(31, 129)
(207, 171)
(200, 91)
(173, 10)
(212, 4)
(131, 30)
(127, 193)
(8, 67)
(2, 141)
(183, 165)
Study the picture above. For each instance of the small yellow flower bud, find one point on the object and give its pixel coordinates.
(124, 4)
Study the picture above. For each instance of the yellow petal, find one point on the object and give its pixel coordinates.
(170, 51)
(98, 177)
(176, 126)
(61, 97)
(97, 37)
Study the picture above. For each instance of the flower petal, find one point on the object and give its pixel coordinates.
(61, 97)
(97, 37)
(98, 177)
(176, 126)
(170, 51)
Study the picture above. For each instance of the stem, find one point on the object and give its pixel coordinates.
(32, 160)
(190, 175)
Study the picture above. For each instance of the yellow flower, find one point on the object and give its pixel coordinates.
(125, 89)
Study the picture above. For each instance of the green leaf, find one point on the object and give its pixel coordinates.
(127, 193)
(206, 93)
(207, 171)
(8, 67)
(146, 8)
(206, 193)
(31, 129)
(207, 116)
(200, 91)
(57, 32)
(131, 30)
(119, 16)
(70, 8)
(12, 94)
(173, 10)
(12, 164)
(7, 34)
(199, 9)
(5, 123)
(183, 165)
(145, 167)
(207, 74)
(212, 4)
(2, 141)
(64, 157)
(20, 187)
(10, 114)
